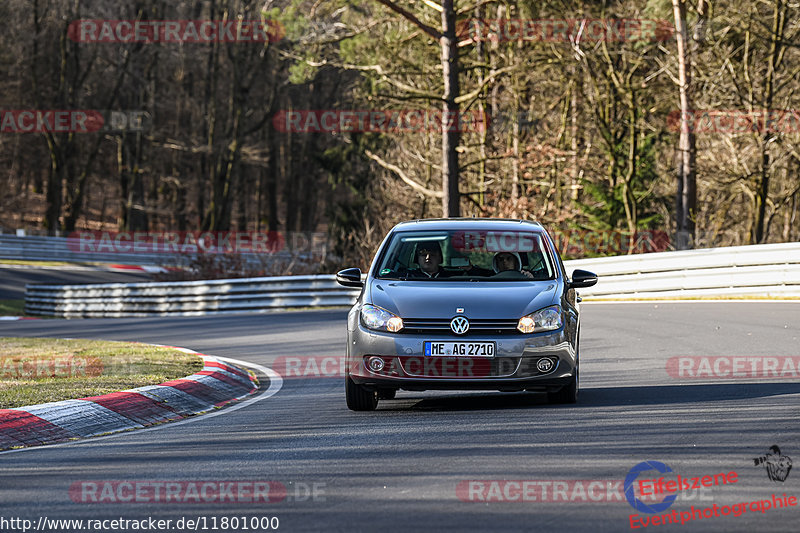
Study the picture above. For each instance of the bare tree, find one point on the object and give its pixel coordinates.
(686, 172)
(450, 107)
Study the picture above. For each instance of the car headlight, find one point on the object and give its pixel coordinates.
(546, 319)
(380, 319)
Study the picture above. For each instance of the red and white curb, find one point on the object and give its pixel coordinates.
(104, 267)
(143, 268)
(217, 384)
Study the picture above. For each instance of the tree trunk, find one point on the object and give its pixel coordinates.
(132, 186)
(758, 234)
(273, 176)
(575, 109)
(54, 194)
(628, 198)
(450, 121)
(484, 133)
(686, 200)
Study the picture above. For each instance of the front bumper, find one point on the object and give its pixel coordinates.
(513, 368)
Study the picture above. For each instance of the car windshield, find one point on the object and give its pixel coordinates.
(471, 255)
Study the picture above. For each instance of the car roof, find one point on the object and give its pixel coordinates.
(495, 224)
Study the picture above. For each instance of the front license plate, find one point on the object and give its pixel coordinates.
(459, 349)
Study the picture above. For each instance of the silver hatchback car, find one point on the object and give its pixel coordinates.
(463, 304)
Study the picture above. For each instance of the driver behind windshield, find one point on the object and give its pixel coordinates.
(505, 261)
(429, 259)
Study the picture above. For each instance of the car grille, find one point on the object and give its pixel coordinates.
(477, 327)
(460, 368)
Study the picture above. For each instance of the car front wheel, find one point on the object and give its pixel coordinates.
(359, 398)
(568, 393)
(387, 394)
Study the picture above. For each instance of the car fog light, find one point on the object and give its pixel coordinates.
(544, 365)
(375, 364)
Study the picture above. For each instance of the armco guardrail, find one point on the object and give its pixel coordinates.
(760, 270)
(45, 248)
(39, 248)
(763, 270)
(186, 297)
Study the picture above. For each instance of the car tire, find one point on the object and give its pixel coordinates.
(387, 394)
(568, 393)
(359, 398)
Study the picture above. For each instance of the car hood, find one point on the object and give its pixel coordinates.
(490, 300)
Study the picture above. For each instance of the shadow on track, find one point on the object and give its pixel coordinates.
(678, 394)
(600, 397)
(473, 402)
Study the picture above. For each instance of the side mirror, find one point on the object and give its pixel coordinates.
(350, 277)
(582, 278)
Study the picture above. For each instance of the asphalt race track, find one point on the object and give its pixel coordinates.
(405, 466)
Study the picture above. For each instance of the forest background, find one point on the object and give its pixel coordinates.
(574, 114)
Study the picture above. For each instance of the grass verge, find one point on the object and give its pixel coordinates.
(12, 307)
(34, 371)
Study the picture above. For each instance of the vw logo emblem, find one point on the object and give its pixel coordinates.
(459, 325)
